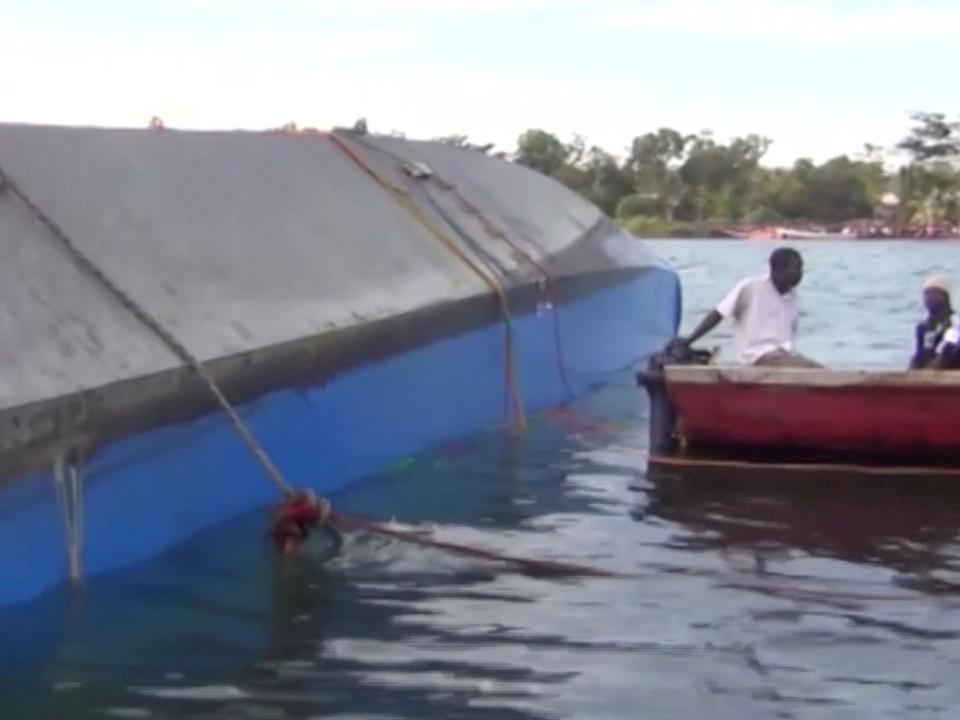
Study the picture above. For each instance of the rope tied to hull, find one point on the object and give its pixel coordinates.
(421, 172)
(548, 281)
(87, 265)
(68, 482)
(403, 198)
(534, 567)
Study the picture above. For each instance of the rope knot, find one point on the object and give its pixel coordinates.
(294, 517)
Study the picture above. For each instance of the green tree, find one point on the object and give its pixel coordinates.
(840, 191)
(543, 151)
(638, 204)
(932, 137)
(609, 182)
(653, 153)
(653, 161)
(653, 164)
(930, 193)
(762, 215)
(721, 178)
(929, 184)
(671, 176)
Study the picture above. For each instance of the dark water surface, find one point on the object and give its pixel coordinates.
(751, 600)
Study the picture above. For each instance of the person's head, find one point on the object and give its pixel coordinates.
(786, 269)
(936, 295)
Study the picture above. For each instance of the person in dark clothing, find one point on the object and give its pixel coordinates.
(931, 332)
(948, 352)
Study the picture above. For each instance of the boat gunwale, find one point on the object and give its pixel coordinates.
(810, 378)
(799, 468)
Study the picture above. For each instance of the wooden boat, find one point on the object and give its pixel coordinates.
(871, 422)
(852, 411)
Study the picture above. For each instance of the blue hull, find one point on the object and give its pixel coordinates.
(147, 492)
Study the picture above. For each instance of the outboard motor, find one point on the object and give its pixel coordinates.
(663, 416)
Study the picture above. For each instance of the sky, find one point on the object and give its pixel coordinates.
(818, 77)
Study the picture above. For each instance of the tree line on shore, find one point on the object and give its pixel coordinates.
(669, 180)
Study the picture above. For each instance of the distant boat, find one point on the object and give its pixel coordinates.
(792, 234)
(760, 233)
(772, 232)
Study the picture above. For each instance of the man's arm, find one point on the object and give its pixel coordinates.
(712, 319)
(921, 357)
(728, 307)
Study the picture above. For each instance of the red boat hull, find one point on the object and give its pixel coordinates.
(864, 413)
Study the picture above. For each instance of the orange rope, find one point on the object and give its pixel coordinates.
(406, 202)
(550, 282)
(530, 566)
(498, 234)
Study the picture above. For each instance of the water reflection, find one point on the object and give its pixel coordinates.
(364, 648)
(909, 527)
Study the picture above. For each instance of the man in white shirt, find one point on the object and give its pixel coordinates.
(765, 315)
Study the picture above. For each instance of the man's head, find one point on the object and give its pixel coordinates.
(936, 294)
(786, 269)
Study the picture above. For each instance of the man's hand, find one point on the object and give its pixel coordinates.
(708, 323)
(679, 348)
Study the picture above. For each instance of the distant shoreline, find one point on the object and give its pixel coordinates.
(656, 229)
(852, 238)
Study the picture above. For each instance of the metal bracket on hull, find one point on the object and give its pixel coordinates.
(68, 480)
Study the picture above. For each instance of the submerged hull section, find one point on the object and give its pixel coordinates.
(345, 332)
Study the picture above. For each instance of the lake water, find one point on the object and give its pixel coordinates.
(748, 601)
